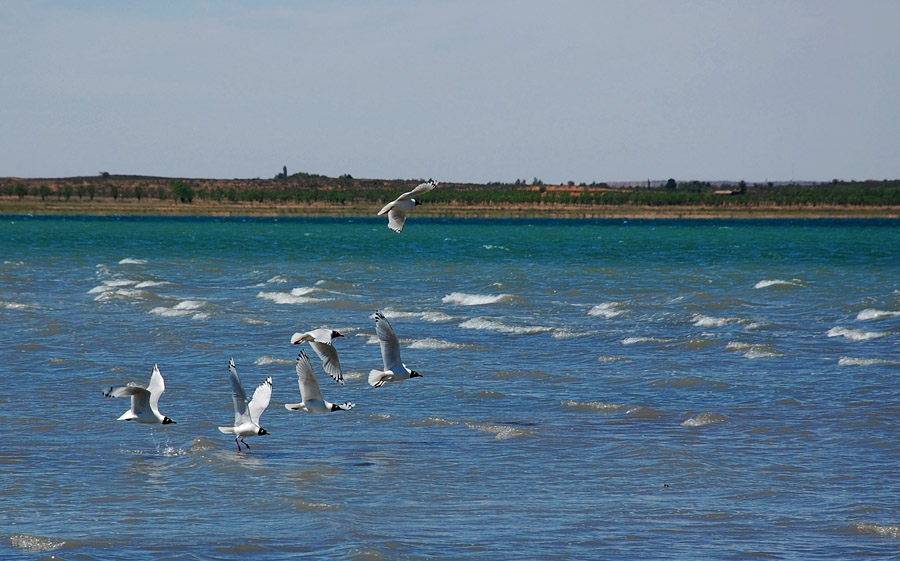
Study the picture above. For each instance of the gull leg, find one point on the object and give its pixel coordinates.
(238, 444)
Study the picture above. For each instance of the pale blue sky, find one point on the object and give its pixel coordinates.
(453, 90)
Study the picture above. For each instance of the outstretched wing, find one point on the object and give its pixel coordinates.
(390, 345)
(396, 219)
(306, 379)
(329, 356)
(420, 188)
(140, 396)
(237, 393)
(156, 388)
(260, 400)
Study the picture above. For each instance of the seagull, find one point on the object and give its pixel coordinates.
(313, 402)
(394, 369)
(246, 414)
(144, 401)
(320, 341)
(400, 207)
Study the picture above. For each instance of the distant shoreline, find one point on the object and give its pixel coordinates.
(148, 207)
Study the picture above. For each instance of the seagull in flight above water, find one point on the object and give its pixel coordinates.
(144, 401)
(394, 369)
(321, 342)
(399, 208)
(247, 413)
(313, 402)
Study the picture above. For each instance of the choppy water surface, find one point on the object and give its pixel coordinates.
(591, 389)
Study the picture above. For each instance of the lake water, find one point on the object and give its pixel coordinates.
(591, 389)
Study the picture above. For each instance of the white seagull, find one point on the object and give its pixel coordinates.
(144, 401)
(313, 402)
(246, 414)
(400, 207)
(321, 341)
(394, 369)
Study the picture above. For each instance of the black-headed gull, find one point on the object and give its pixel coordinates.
(394, 369)
(400, 207)
(321, 341)
(247, 413)
(144, 401)
(313, 402)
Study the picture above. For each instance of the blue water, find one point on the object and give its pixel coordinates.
(591, 389)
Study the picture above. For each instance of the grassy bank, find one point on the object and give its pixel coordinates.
(153, 207)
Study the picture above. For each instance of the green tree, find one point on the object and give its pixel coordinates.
(44, 191)
(67, 192)
(671, 184)
(21, 191)
(183, 191)
(138, 192)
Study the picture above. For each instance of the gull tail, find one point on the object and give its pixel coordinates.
(226, 430)
(377, 378)
(293, 406)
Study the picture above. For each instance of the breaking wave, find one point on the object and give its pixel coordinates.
(636, 340)
(607, 310)
(36, 544)
(431, 343)
(870, 314)
(701, 320)
(295, 296)
(850, 361)
(598, 406)
(184, 308)
(855, 334)
(463, 299)
(487, 324)
(776, 282)
(131, 261)
(703, 419)
(886, 530)
(501, 431)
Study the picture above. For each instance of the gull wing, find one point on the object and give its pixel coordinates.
(260, 400)
(237, 393)
(390, 345)
(156, 388)
(396, 219)
(306, 379)
(330, 362)
(420, 188)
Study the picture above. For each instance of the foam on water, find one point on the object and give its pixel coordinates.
(872, 314)
(290, 297)
(500, 431)
(753, 351)
(703, 419)
(701, 320)
(776, 282)
(855, 334)
(36, 544)
(131, 261)
(463, 299)
(266, 360)
(886, 530)
(850, 361)
(432, 343)
(16, 306)
(183, 308)
(637, 340)
(431, 317)
(598, 406)
(483, 323)
(150, 284)
(608, 310)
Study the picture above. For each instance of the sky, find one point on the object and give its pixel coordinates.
(458, 91)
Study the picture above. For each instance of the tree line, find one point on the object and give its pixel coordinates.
(306, 188)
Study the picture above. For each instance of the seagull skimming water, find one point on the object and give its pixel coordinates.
(394, 369)
(321, 342)
(246, 414)
(313, 402)
(144, 401)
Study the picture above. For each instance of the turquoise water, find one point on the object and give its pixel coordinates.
(591, 389)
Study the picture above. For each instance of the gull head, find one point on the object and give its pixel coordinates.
(336, 334)
(262, 431)
(414, 374)
(168, 421)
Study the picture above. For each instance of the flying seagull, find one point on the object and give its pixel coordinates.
(144, 401)
(313, 402)
(320, 341)
(402, 205)
(394, 369)
(246, 414)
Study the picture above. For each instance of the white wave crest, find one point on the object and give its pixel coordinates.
(487, 324)
(184, 308)
(431, 343)
(560, 333)
(431, 317)
(701, 320)
(776, 282)
(463, 299)
(636, 340)
(886, 530)
(855, 334)
(255, 321)
(36, 543)
(16, 306)
(703, 419)
(870, 314)
(288, 298)
(277, 279)
(850, 361)
(600, 406)
(268, 359)
(131, 261)
(490, 247)
(753, 351)
(607, 309)
(500, 431)
(150, 284)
